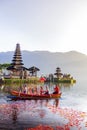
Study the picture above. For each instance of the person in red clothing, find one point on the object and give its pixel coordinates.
(56, 89)
(41, 90)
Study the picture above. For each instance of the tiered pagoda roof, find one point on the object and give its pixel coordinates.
(17, 67)
(17, 58)
(17, 62)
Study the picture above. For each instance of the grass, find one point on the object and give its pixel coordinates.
(21, 81)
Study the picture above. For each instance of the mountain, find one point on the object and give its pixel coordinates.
(71, 62)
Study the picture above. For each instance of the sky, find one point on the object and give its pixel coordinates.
(50, 25)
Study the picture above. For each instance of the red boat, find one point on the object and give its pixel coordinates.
(21, 95)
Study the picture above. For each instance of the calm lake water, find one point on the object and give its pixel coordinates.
(67, 113)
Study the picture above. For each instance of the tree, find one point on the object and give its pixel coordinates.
(4, 66)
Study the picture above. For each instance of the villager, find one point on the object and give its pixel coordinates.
(47, 91)
(41, 90)
(29, 90)
(32, 90)
(56, 89)
(25, 89)
(35, 90)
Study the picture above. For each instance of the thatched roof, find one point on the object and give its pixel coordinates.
(58, 74)
(14, 68)
(33, 68)
(11, 68)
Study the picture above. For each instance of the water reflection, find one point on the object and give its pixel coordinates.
(14, 113)
(56, 102)
(15, 108)
(30, 113)
(54, 113)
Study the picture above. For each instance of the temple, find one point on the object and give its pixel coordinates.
(17, 69)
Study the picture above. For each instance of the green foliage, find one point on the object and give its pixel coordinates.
(21, 81)
(5, 65)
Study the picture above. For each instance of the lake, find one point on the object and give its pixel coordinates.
(67, 113)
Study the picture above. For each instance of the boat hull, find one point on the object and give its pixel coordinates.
(20, 95)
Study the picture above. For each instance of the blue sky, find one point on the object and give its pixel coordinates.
(53, 25)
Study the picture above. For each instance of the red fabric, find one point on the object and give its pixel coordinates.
(56, 89)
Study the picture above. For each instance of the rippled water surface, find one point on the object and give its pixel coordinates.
(67, 113)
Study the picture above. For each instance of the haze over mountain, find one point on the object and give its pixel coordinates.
(71, 62)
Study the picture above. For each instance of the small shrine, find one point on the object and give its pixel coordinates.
(58, 73)
(33, 71)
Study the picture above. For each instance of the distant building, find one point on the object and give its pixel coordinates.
(58, 73)
(33, 71)
(17, 69)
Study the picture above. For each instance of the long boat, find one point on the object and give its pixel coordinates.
(20, 95)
